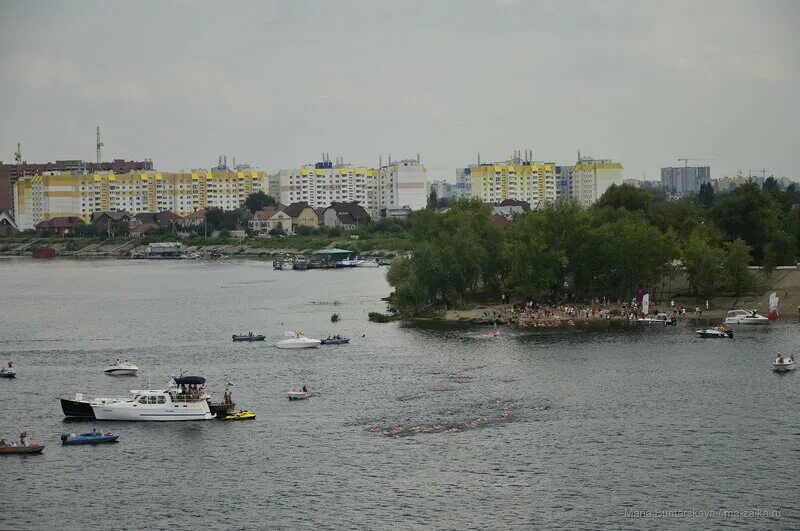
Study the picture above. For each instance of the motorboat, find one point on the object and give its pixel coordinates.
(282, 265)
(33, 449)
(298, 340)
(81, 407)
(249, 337)
(242, 414)
(122, 368)
(745, 317)
(8, 372)
(721, 331)
(372, 262)
(299, 393)
(300, 264)
(657, 319)
(783, 363)
(348, 263)
(335, 340)
(92, 437)
(182, 401)
(25, 446)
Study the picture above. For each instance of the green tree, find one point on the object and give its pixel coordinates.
(736, 261)
(534, 268)
(258, 200)
(682, 215)
(750, 214)
(703, 263)
(706, 195)
(624, 196)
(432, 199)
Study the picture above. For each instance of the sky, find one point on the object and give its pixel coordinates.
(276, 84)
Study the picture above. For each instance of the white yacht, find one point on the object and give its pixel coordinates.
(745, 317)
(172, 404)
(122, 368)
(298, 340)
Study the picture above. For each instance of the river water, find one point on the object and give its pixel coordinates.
(409, 427)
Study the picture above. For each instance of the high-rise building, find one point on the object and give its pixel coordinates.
(443, 189)
(324, 183)
(592, 177)
(518, 179)
(394, 185)
(684, 180)
(43, 197)
(10, 173)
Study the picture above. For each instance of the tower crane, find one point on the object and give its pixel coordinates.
(686, 161)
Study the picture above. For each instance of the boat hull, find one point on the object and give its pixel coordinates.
(299, 395)
(714, 333)
(289, 343)
(782, 367)
(7, 450)
(221, 409)
(121, 372)
(334, 341)
(8, 375)
(151, 414)
(67, 440)
(75, 408)
(249, 338)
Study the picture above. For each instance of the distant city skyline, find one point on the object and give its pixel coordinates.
(277, 84)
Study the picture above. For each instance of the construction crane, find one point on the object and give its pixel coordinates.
(686, 161)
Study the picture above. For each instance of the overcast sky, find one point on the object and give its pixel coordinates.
(277, 84)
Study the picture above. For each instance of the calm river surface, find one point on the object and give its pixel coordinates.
(583, 428)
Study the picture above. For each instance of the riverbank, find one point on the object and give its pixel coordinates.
(247, 247)
(784, 282)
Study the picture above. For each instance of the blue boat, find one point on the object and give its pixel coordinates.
(248, 337)
(94, 437)
(335, 341)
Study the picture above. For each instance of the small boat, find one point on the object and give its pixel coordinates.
(282, 265)
(34, 449)
(242, 414)
(8, 372)
(335, 341)
(25, 446)
(122, 368)
(367, 262)
(658, 319)
(348, 263)
(298, 340)
(745, 317)
(299, 393)
(94, 437)
(300, 264)
(722, 331)
(249, 337)
(783, 363)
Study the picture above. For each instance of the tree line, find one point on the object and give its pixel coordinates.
(630, 238)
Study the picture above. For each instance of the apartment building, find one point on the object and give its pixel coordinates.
(42, 197)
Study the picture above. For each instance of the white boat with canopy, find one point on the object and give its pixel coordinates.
(745, 317)
(183, 400)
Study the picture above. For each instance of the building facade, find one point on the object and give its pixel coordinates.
(42, 197)
(394, 185)
(684, 180)
(592, 177)
(11, 173)
(517, 179)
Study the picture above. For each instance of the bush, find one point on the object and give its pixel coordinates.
(377, 317)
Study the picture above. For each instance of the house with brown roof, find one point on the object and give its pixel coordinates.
(162, 219)
(345, 216)
(302, 214)
(271, 218)
(62, 225)
(197, 217)
(142, 228)
(105, 220)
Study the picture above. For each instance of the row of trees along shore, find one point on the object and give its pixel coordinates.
(630, 238)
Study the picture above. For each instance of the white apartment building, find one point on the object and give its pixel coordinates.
(395, 185)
